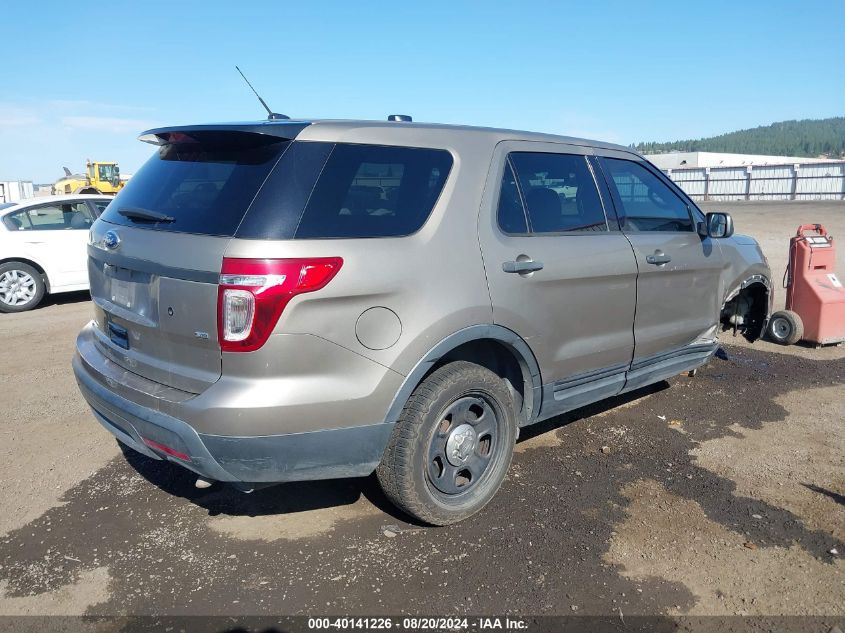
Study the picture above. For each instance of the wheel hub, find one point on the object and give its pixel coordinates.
(781, 328)
(16, 287)
(460, 444)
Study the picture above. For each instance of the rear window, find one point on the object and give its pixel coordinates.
(205, 186)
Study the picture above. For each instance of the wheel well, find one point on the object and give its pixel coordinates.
(29, 262)
(747, 311)
(501, 360)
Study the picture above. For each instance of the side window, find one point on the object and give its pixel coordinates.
(511, 213)
(647, 203)
(559, 192)
(100, 206)
(17, 221)
(374, 191)
(51, 217)
(108, 173)
(77, 216)
(47, 218)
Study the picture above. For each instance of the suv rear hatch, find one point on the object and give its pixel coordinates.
(156, 253)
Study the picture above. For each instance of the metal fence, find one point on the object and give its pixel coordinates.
(802, 181)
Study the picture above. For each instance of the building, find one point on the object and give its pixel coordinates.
(15, 190)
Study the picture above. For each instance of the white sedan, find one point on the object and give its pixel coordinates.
(43, 247)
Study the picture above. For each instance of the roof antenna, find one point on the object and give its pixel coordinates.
(271, 116)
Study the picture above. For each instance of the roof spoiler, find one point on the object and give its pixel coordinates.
(276, 129)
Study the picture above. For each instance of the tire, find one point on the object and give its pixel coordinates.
(786, 327)
(21, 287)
(453, 443)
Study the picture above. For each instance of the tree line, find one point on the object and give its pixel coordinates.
(809, 137)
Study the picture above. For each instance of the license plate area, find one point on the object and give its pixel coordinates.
(131, 294)
(122, 293)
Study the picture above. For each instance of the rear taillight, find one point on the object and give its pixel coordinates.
(253, 293)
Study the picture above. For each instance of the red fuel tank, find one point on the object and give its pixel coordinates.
(813, 290)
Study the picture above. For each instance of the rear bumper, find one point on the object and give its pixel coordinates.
(325, 454)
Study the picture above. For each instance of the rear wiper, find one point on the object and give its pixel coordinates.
(136, 213)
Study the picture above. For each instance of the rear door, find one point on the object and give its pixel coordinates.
(560, 275)
(157, 251)
(679, 271)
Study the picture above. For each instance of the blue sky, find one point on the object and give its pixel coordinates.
(83, 83)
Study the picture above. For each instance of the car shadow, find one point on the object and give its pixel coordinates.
(59, 299)
(64, 298)
(275, 499)
(302, 496)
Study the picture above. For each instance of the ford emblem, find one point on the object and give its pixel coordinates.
(111, 240)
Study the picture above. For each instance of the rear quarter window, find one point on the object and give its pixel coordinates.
(374, 191)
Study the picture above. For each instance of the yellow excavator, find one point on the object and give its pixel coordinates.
(100, 177)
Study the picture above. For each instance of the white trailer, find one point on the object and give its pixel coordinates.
(15, 190)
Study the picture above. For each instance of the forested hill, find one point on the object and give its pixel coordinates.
(809, 137)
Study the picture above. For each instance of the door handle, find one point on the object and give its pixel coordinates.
(527, 266)
(658, 259)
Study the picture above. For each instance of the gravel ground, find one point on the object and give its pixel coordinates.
(720, 494)
(773, 223)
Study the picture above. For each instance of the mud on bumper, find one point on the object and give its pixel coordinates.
(328, 454)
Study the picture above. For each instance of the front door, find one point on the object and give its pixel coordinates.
(560, 275)
(678, 301)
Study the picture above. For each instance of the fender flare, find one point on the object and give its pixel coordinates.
(512, 342)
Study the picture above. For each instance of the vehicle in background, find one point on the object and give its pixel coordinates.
(43, 247)
(100, 178)
(289, 300)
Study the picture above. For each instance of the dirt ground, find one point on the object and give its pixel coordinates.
(773, 223)
(720, 494)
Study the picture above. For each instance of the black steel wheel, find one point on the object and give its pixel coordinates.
(463, 444)
(452, 445)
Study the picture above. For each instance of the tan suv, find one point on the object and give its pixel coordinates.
(289, 300)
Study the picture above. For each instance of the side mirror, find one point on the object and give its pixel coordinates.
(716, 225)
